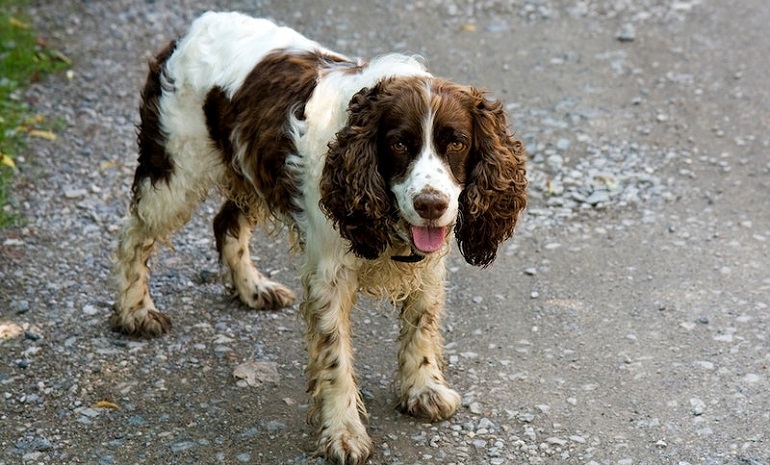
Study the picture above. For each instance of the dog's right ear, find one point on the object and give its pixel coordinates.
(354, 194)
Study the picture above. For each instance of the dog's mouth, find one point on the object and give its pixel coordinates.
(428, 239)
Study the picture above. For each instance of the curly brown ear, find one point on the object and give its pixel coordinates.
(353, 192)
(495, 192)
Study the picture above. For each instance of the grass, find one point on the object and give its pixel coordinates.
(24, 59)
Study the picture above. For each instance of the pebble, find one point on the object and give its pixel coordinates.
(627, 33)
(698, 406)
(182, 446)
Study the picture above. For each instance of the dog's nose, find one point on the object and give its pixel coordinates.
(430, 205)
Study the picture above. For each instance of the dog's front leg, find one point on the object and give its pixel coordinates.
(337, 403)
(424, 390)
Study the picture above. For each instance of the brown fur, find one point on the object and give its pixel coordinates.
(282, 82)
(354, 193)
(154, 162)
(495, 193)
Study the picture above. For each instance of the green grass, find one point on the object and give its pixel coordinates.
(24, 59)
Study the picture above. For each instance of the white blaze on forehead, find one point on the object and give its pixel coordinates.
(429, 172)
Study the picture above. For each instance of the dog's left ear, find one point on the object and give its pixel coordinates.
(495, 192)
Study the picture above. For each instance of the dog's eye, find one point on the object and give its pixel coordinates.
(398, 147)
(456, 146)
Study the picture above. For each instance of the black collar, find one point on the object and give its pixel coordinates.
(413, 258)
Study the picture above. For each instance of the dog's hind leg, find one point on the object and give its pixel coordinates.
(232, 229)
(157, 211)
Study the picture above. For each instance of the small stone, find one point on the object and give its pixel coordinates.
(182, 446)
(698, 406)
(597, 197)
(751, 378)
(74, 193)
(526, 417)
(554, 441)
(275, 425)
(534, 295)
(627, 33)
(555, 163)
(531, 271)
(244, 457)
(22, 307)
(486, 424)
(475, 408)
(90, 310)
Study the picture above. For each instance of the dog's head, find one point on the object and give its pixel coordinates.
(420, 157)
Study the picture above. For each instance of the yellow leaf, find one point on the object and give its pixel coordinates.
(17, 23)
(106, 404)
(62, 57)
(34, 119)
(47, 135)
(7, 161)
(107, 164)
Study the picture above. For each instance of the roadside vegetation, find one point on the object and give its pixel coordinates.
(24, 59)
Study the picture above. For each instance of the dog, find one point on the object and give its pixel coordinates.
(372, 166)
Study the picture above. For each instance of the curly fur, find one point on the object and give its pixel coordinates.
(353, 195)
(495, 193)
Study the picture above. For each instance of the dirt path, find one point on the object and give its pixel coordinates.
(626, 323)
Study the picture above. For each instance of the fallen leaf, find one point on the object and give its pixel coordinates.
(18, 23)
(256, 373)
(107, 164)
(5, 160)
(47, 135)
(106, 404)
(37, 119)
(62, 57)
(9, 330)
(468, 28)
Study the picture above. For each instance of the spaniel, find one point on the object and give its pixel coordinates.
(371, 165)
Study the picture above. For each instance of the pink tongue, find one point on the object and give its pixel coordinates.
(428, 239)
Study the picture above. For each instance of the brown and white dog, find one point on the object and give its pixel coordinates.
(372, 164)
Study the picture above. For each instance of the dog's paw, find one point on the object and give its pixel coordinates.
(267, 295)
(345, 446)
(143, 322)
(436, 402)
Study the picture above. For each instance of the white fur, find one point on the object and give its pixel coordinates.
(429, 172)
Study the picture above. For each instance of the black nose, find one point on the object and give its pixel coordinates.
(430, 205)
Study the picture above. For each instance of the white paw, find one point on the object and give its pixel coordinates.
(434, 402)
(345, 446)
(266, 295)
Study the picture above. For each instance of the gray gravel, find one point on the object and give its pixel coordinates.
(626, 323)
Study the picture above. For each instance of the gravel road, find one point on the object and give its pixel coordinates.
(626, 323)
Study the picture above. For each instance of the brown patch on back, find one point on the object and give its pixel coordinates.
(154, 161)
(257, 118)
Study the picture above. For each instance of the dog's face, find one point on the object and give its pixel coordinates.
(424, 143)
(421, 157)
